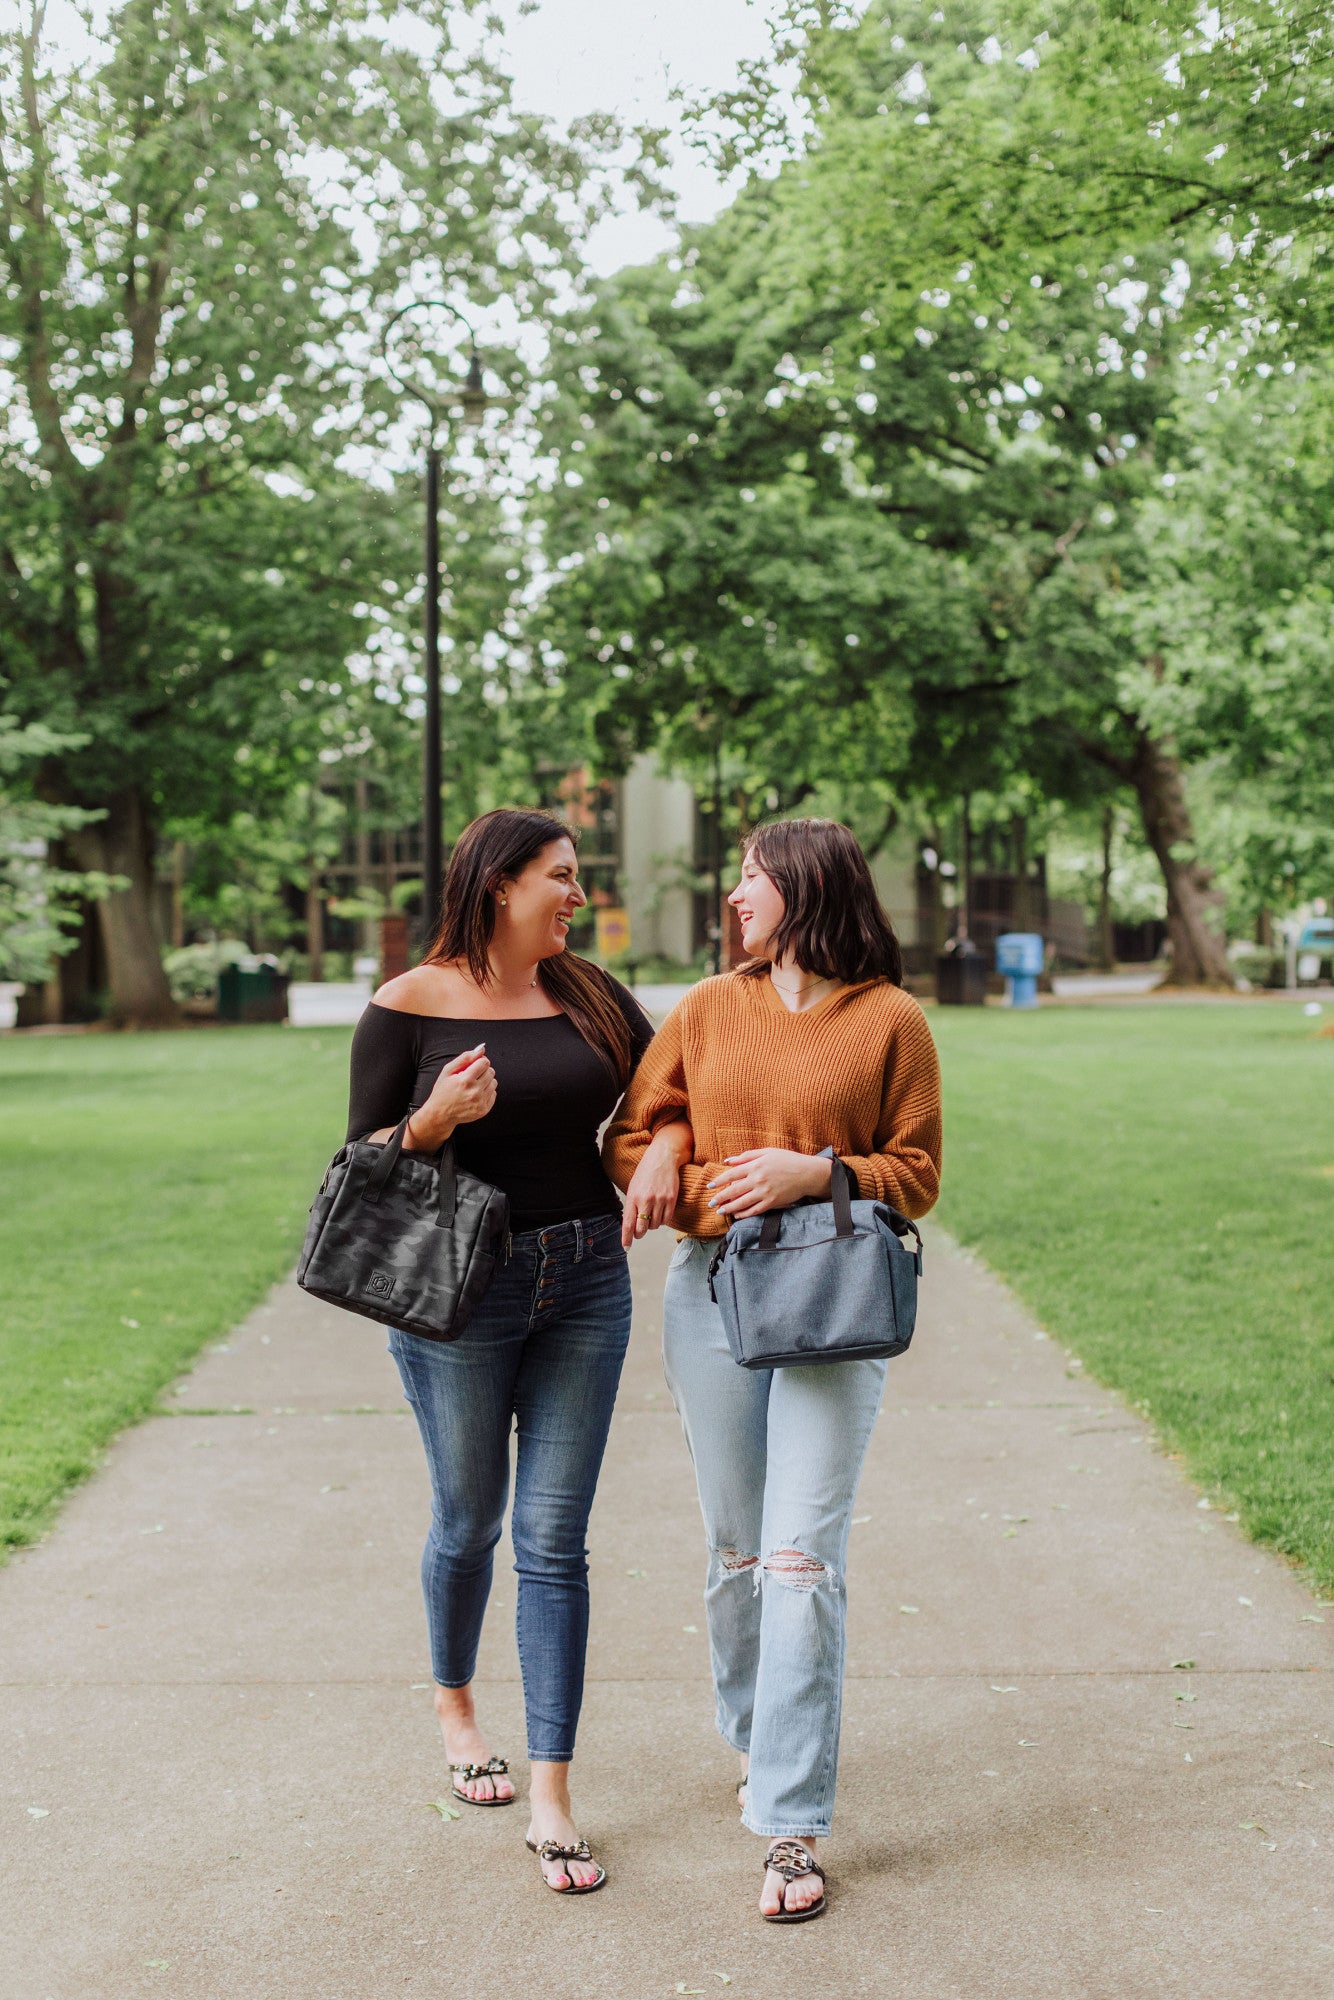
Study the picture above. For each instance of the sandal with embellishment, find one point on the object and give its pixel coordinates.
(551, 1850)
(494, 1767)
(791, 1860)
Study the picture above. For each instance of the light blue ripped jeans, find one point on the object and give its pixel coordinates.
(778, 1453)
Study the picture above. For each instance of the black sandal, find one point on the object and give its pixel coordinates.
(495, 1767)
(551, 1850)
(791, 1860)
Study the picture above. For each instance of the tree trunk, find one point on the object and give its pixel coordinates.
(1197, 948)
(314, 924)
(1021, 913)
(1105, 947)
(121, 844)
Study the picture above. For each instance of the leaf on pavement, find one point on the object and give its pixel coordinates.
(681, 1987)
(1251, 1826)
(443, 1807)
(910, 1610)
(1001, 1690)
(1183, 1666)
(40, 1812)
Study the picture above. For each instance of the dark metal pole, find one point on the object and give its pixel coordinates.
(432, 843)
(717, 858)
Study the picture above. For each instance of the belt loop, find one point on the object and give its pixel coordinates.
(578, 1241)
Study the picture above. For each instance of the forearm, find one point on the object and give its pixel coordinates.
(424, 1133)
(674, 1143)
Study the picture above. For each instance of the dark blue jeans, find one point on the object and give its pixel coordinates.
(543, 1352)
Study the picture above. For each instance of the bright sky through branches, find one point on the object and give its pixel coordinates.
(570, 57)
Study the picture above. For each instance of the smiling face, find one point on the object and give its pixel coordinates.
(759, 906)
(539, 902)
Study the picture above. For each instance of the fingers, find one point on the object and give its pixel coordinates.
(465, 1061)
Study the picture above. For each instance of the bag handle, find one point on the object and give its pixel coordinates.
(378, 1178)
(842, 1189)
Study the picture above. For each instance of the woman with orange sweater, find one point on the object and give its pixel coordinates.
(812, 1044)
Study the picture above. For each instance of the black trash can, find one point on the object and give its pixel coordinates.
(961, 975)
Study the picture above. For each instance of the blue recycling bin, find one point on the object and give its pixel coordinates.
(1019, 957)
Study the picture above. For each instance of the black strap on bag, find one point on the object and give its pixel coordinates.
(378, 1178)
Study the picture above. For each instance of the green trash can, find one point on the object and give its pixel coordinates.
(252, 990)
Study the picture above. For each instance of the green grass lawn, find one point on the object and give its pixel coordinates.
(1157, 1183)
(151, 1188)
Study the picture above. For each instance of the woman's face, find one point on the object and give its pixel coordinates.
(541, 900)
(759, 906)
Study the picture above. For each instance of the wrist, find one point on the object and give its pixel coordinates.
(425, 1134)
(821, 1173)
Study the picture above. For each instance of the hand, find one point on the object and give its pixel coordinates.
(464, 1091)
(650, 1199)
(767, 1177)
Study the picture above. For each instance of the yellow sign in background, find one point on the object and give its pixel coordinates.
(613, 930)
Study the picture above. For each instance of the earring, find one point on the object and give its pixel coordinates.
(504, 902)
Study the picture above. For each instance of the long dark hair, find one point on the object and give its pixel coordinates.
(834, 924)
(501, 844)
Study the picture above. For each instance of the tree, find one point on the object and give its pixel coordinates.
(201, 236)
(39, 901)
(868, 478)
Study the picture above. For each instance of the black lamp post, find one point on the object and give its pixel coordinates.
(469, 404)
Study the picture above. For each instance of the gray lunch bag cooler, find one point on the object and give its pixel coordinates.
(821, 1281)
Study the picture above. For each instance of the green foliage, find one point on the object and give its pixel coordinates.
(903, 478)
(161, 1146)
(39, 902)
(201, 238)
(1095, 1157)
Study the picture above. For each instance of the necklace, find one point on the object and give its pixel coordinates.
(797, 991)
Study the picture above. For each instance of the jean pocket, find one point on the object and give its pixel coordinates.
(602, 1240)
(681, 1252)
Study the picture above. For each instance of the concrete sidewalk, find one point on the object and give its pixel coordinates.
(1088, 1749)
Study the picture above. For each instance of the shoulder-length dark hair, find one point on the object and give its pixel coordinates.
(491, 849)
(834, 924)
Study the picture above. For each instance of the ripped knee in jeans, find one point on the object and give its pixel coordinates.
(795, 1569)
(734, 1562)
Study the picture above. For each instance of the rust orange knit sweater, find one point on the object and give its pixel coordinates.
(857, 1072)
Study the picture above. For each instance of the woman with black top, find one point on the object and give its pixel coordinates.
(520, 1051)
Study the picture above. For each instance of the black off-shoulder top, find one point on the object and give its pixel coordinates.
(539, 1142)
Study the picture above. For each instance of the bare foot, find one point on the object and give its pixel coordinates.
(778, 1894)
(744, 1757)
(553, 1819)
(465, 1743)
(551, 1822)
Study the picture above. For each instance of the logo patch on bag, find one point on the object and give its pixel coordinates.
(380, 1284)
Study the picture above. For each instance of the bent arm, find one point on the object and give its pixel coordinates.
(656, 1108)
(904, 1169)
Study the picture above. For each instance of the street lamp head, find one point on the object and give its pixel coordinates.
(474, 393)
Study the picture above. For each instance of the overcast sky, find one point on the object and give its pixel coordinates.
(575, 56)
